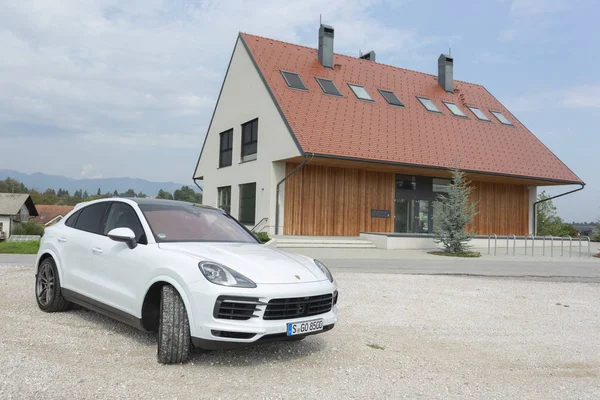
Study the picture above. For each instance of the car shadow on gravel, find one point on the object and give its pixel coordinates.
(108, 324)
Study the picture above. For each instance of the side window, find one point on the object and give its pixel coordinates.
(122, 215)
(225, 148)
(72, 219)
(249, 140)
(91, 218)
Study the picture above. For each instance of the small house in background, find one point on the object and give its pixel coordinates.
(15, 208)
(305, 141)
(49, 214)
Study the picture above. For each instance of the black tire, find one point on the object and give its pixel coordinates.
(47, 288)
(173, 328)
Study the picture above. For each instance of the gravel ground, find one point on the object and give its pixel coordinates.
(431, 336)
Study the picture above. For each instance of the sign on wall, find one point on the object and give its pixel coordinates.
(381, 213)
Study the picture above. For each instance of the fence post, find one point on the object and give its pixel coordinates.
(543, 246)
(580, 246)
(570, 246)
(514, 245)
(507, 237)
(489, 244)
(532, 245)
(496, 244)
(551, 246)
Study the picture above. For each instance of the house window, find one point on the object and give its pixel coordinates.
(328, 86)
(428, 104)
(1, 227)
(225, 148)
(500, 117)
(247, 203)
(391, 98)
(405, 182)
(479, 114)
(454, 109)
(293, 80)
(249, 140)
(441, 185)
(360, 92)
(224, 198)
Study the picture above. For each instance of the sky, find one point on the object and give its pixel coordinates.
(112, 88)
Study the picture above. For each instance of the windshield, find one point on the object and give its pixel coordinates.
(181, 222)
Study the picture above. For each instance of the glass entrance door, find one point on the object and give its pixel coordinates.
(412, 216)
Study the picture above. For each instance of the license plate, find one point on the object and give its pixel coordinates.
(300, 328)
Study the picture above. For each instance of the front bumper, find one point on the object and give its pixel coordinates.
(206, 328)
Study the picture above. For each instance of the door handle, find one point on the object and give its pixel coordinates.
(97, 250)
(62, 239)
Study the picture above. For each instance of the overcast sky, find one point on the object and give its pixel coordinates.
(112, 88)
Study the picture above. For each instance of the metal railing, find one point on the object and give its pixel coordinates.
(259, 222)
(551, 239)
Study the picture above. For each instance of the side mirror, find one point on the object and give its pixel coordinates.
(124, 235)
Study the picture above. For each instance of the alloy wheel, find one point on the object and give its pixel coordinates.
(45, 285)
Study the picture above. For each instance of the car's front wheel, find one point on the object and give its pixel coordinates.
(47, 288)
(173, 328)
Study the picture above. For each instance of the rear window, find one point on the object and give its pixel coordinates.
(92, 217)
(72, 219)
(182, 222)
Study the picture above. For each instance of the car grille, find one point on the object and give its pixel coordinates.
(236, 308)
(297, 307)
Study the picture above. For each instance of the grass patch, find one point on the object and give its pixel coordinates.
(31, 247)
(467, 254)
(375, 346)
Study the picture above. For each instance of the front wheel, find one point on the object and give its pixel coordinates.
(173, 328)
(47, 288)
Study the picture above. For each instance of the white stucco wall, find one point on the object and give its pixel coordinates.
(243, 98)
(532, 199)
(5, 220)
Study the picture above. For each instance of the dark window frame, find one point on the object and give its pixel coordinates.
(464, 116)
(479, 119)
(102, 221)
(253, 142)
(224, 150)
(241, 204)
(419, 98)
(339, 94)
(371, 100)
(500, 112)
(304, 88)
(143, 237)
(381, 91)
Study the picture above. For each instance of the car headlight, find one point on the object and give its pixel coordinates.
(221, 275)
(324, 269)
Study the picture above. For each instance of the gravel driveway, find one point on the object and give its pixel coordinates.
(431, 336)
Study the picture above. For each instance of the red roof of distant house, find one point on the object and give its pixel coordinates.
(349, 127)
(48, 212)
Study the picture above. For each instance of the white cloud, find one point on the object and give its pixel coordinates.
(87, 172)
(507, 35)
(536, 7)
(582, 97)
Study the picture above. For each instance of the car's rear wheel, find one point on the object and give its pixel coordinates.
(47, 288)
(173, 328)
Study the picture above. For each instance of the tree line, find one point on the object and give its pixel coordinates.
(63, 197)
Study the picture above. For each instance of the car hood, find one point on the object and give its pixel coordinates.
(259, 263)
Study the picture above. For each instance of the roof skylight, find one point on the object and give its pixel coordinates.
(293, 80)
(328, 86)
(454, 109)
(428, 104)
(360, 92)
(503, 120)
(391, 98)
(479, 114)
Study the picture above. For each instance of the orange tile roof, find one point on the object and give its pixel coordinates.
(49, 211)
(348, 127)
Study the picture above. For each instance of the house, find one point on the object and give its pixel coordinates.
(49, 214)
(303, 141)
(14, 209)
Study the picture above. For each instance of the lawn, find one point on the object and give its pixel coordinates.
(20, 247)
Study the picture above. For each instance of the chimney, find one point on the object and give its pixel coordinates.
(326, 45)
(368, 56)
(445, 73)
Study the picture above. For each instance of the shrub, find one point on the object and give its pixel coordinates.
(29, 228)
(263, 237)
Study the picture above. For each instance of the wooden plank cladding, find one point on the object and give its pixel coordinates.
(503, 209)
(332, 201)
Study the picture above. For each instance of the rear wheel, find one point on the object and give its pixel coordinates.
(173, 328)
(47, 288)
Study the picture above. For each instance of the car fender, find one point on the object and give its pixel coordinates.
(54, 256)
(176, 283)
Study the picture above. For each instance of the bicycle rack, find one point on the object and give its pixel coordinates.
(495, 243)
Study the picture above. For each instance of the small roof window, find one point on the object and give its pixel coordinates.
(293, 80)
(428, 104)
(503, 120)
(454, 109)
(479, 114)
(391, 98)
(328, 86)
(360, 92)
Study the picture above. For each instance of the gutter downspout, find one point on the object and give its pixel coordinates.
(201, 190)
(306, 160)
(550, 198)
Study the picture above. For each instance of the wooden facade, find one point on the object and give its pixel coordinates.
(331, 201)
(322, 200)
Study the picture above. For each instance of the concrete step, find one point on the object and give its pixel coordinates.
(323, 242)
(325, 245)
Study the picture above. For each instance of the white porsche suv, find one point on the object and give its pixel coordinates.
(193, 273)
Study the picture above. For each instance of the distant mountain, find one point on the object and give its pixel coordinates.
(41, 182)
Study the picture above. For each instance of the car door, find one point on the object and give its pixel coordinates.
(80, 249)
(120, 272)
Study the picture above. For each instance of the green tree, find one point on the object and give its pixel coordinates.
(186, 193)
(98, 193)
(596, 237)
(452, 213)
(162, 194)
(548, 222)
(115, 193)
(141, 195)
(29, 228)
(85, 194)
